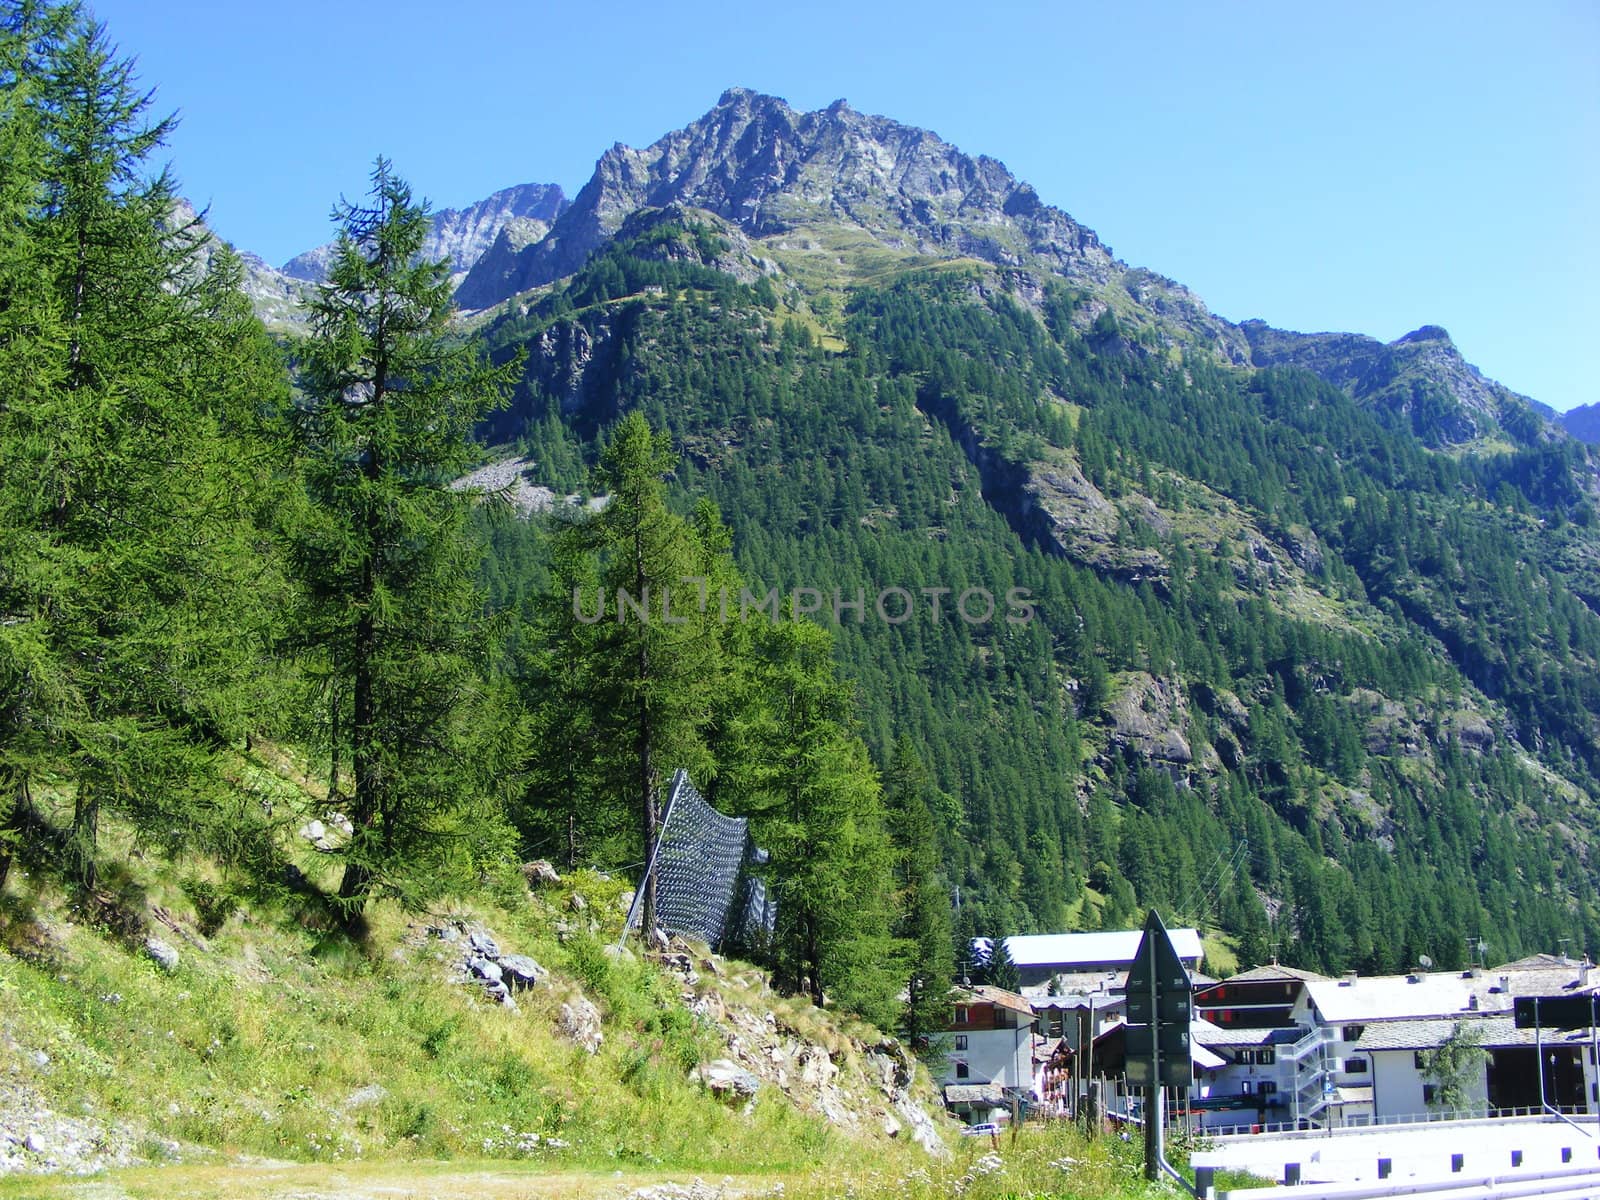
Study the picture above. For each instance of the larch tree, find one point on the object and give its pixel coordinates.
(625, 661)
(924, 905)
(379, 548)
(128, 364)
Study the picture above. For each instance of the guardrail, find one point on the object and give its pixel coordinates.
(1565, 1183)
(1361, 1124)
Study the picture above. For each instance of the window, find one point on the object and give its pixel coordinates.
(1247, 1057)
(1266, 1087)
(1351, 1032)
(1266, 1056)
(1355, 1066)
(961, 1014)
(961, 1069)
(1430, 1093)
(961, 1041)
(1416, 1060)
(1246, 1087)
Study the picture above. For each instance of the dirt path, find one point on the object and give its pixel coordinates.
(381, 1181)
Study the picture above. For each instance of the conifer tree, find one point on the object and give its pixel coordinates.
(1000, 971)
(627, 656)
(380, 549)
(127, 363)
(924, 921)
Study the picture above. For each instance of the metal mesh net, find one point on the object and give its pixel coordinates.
(700, 862)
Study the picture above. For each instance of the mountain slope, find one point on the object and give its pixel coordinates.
(835, 195)
(1274, 624)
(1420, 379)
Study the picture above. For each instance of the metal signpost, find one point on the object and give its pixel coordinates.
(1159, 995)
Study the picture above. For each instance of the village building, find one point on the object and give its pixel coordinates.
(989, 1054)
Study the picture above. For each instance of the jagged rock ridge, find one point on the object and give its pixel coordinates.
(759, 164)
(1420, 376)
(521, 214)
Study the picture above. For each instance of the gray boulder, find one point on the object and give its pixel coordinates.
(579, 1022)
(519, 971)
(725, 1078)
(163, 955)
(540, 873)
(481, 943)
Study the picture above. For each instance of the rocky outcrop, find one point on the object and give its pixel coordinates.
(1421, 377)
(1583, 423)
(520, 215)
(1149, 717)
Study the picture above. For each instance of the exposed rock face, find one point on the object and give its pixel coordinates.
(760, 165)
(277, 299)
(521, 214)
(1421, 376)
(1149, 716)
(1583, 423)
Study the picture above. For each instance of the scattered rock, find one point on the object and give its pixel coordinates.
(483, 968)
(519, 971)
(577, 903)
(540, 873)
(481, 943)
(579, 1022)
(365, 1097)
(727, 1079)
(163, 955)
(34, 1143)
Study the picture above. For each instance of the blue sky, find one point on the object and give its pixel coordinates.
(1352, 166)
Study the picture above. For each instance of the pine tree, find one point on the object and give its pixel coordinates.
(821, 812)
(626, 657)
(379, 547)
(1000, 971)
(924, 920)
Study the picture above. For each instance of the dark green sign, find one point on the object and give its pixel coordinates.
(1159, 1006)
(1553, 1012)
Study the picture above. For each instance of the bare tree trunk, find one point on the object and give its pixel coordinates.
(85, 836)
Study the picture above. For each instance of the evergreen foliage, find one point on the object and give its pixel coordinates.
(389, 618)
(133, 383)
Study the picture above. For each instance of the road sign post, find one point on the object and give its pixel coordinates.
(1159, 996)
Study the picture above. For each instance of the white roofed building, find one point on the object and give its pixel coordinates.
(1040, 957)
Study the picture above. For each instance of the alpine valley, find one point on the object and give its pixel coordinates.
(1317, 618)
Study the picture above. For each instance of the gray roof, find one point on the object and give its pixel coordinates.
(1493, 1032)
(1441, 994)
(974, 1093)
(1274, 972)
(1208, 1034)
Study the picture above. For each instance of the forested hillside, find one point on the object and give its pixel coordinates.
(1301, 652)
(1267, 615)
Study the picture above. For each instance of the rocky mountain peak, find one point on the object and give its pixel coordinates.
(753, 160)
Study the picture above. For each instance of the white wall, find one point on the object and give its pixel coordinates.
(1002, 1056)
(1397, 1085)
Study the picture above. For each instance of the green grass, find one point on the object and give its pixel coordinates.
(1056, 1163)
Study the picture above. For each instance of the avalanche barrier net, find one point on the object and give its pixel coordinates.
(705, 887)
